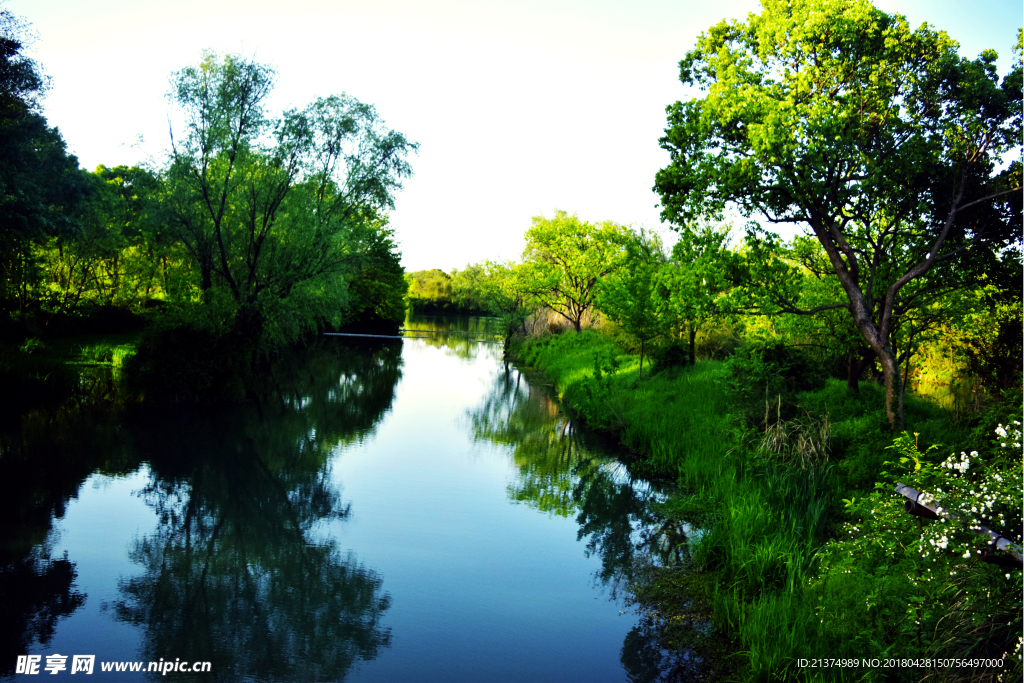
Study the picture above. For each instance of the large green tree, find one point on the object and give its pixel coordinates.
(273, 210)
(880, 140)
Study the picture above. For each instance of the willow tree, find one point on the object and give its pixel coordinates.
(276, 213)
(880, 140)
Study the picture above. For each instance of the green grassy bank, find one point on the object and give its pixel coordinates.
(777, 485)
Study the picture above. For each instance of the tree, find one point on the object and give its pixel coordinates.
(883, 142)
(505, 291)
(468, 288)
(429, 290)
(700, 272)
(40, 184)
(272, 211)
(567, 257)
(630, 296)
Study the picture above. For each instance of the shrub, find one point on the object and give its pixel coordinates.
(668, 356)
(765, 374)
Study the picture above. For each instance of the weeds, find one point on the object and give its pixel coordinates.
(801, 442)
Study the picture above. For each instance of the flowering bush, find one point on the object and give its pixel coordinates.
(970, 492)
(896, 583)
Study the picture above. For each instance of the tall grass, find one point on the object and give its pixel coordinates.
(769, 498)
(107, 354)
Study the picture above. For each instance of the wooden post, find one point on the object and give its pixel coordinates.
(915, 507)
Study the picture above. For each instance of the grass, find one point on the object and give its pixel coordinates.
(105, 353)
(44, 373)
(767, 500)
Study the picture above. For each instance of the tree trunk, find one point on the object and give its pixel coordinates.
(640, 375)
(856, 363)
(693, 344)
(893, 388)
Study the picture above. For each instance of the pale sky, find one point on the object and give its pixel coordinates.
(520, 107)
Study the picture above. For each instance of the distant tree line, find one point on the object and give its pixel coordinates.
(437, 292)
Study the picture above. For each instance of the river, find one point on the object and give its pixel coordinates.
(396, 511)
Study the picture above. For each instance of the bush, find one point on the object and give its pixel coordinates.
(717, 342)
(668, 356)
(771, 372)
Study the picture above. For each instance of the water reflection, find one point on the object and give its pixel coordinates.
(235, 572)
(458, 336)
(565, 471)
(37, 591)
(45, 456)
(232, 575)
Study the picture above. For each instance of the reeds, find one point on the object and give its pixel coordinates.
(107, 354)
(803, 442)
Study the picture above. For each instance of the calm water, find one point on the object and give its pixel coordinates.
(399, 512)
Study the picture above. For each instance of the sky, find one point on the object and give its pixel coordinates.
(520, 107)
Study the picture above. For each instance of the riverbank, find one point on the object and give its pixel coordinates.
(761, 587)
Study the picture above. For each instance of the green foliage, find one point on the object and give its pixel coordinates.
(32, 345)
(669, 356)
(792, 572)
(769, 370)
(469, 289)
(890, 581)
(269, 227)
(279, 216)
(503, 289)
(461, 291)
(566, 257)
(377, 287)
(430, 290)
(43, 189)
(894, 135)
(695, 287)
(630, 296)
(107, 354)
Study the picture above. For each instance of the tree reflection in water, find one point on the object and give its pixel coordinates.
(233, 575)
(45, 456)
(457, 335)
(562, 470)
